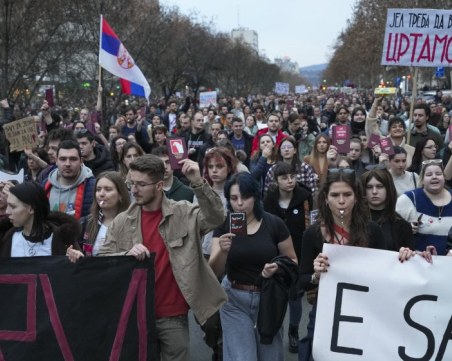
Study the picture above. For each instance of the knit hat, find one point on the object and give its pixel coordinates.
(33, 194)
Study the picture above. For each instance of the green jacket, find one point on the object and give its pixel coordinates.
(179, 191)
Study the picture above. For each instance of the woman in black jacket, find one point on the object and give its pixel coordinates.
(292, 203)
(31, 229)
(381, 198)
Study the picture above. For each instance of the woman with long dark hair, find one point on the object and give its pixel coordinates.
(425, 150)
(31, 229)
(340, 200)
(130, 151)
(381, 198)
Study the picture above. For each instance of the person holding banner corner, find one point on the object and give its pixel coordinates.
(171, 230)
(340, 200)
(31, 229)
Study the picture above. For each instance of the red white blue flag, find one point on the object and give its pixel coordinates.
(115, 58)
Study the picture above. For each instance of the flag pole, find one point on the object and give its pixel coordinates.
(413, 101)
(99, 83)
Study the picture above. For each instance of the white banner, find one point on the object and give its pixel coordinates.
(300, 89)
(418, 37)
(282, 88)
(372, 307)
(206, 99)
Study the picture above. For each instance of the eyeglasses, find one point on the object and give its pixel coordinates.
(139, 185)
(432, 161)
(81, 130)
(431, 147)
(341, 170)
(286, 147)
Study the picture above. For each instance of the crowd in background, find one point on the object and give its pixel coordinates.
(275, 150)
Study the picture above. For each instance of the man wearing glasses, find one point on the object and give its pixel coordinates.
(172, 230)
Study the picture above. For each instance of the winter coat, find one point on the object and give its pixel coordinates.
(274, 298)
(65, 230)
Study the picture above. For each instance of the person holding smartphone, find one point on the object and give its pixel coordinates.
(246, 260)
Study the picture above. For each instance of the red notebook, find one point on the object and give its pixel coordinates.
(177, 150)
(341, 138)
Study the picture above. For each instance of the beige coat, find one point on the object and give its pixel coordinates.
(181, 228)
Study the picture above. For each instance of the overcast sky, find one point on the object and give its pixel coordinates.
(304, 30)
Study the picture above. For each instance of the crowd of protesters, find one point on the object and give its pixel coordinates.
(270, 157)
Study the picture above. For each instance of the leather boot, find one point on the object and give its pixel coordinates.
(293, 339)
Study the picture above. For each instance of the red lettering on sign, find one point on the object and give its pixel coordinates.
(137, 290)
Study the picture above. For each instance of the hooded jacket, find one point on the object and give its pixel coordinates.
(75, 199)
(65, 231)
(102, 161)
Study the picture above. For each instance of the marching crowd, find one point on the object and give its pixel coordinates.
(99, 187)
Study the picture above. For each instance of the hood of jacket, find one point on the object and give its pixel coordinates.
(102, 155)
(54, 177)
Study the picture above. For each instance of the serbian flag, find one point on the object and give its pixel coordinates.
(115, 58)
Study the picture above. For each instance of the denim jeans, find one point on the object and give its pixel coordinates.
(240, 335)
(295, 312)
(172, 338)
(305, 345)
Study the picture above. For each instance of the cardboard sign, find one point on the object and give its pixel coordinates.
(340, 138)
(301, 89)
(385, 91)
(237, 223)
(207, 99)
(21, 134)
(373, 307)
(418, 37)
(177, 150)
(282, 88)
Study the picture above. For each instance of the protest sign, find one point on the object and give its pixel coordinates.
(8, 177)
(101, 308)
(418, 37)
(21, 134)
(301, 89)
(206, 99)
(282, 88)
(373, 307)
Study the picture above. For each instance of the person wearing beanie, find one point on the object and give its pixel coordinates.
(31, 229)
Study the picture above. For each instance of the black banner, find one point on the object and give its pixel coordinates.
(101, 308)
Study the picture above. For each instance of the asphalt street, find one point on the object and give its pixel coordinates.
(200, 352)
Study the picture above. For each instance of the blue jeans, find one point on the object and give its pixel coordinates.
(305, 345)
(240, 335)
